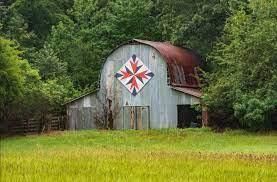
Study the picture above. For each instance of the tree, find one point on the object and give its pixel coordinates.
(14, 73)
(196, 24)
(36, 18)
(243, 83)
(48, 64)
(93, 29)
(23, 94)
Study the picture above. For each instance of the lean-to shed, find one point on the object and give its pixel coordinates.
(143, 85)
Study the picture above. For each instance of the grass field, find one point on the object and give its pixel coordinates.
(154, 155)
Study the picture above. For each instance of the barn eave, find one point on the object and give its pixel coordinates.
(190, 91)
(80, 97)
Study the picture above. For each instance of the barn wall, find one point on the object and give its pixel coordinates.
(82, 113)
(157, 94)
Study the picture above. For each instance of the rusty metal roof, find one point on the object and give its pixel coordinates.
(190, 91)
(182, 63)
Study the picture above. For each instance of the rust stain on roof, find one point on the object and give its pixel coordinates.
(182, 63)
(190, 91)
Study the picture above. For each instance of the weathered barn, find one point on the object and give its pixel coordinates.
(143, 85)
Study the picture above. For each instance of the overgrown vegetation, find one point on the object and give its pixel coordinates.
(156, 155)
(63, 44)
(243, 83)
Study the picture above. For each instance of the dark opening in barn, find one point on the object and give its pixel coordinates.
(188, 116)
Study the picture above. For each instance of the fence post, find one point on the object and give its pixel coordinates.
(27, 126)
(59, 122)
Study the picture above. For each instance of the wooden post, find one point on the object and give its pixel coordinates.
(58, 124)
(27, 126)
(132, 118)
(110, 114)
(42, 122)
(205, 116)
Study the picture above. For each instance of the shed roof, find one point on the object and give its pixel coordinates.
(80, 97)
(190, 91)
(182, 63)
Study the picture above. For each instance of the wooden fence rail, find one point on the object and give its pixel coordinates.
(33, 126)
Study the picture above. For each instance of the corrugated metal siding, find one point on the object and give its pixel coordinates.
(157, 94)
(81, 113)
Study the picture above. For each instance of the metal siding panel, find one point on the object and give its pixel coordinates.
(139, 118)
(88, 118)
(145, 117)
(76, 119)
(127, 118)
(136, 117)
(70, 119)
(81, 113)
(87, 102)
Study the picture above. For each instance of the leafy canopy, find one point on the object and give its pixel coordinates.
(244, 79)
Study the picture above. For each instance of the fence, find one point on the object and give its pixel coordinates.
(33, 126)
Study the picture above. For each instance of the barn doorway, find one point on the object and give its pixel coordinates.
(136, 117)
(188, 117)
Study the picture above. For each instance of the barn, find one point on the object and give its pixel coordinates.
(143, 85)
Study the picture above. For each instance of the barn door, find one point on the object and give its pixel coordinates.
(128, 117)
(136, 117)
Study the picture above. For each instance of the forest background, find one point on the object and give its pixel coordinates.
(53, 50)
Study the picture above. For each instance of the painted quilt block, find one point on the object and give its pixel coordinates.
(134, 75)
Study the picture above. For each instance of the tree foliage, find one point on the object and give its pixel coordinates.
(244, 81)
(57, 49)
(93, 29)
(48, 64)
(15, 73)
(23, 94)
(30, 21)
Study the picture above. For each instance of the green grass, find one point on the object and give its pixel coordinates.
(154, 155)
